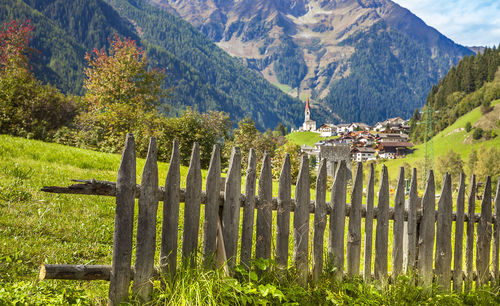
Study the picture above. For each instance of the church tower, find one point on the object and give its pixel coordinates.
(307, 112)
(309, 125)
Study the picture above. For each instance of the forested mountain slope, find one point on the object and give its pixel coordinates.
(202, 75)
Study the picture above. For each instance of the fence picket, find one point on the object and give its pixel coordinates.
(248, 210)
(382, 230)
(354, 230)
(192, 205)
(427, 231)
(171, 199)
(484, 237)
(496, 234)
(337, 220)
(283, 213)
(443, 235)
(124, 225)
(459, 237)
(398, 226)
(146, 226)
(231, 210)
(413, 202)
(367, 270)
(469, 248)
(264, 210)
(301, 221)
(212, 208)
(320, 218)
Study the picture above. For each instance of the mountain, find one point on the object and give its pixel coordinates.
(363, 60)
(203, 75)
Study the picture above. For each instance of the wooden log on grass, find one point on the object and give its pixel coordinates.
(484, 237)
(264, 210)
(320, 218)
(248, 211)
(301, 222)
(211, 208)
(427, 232)
(443, 236)
(459, 237)
(367, 266)
(146, 226)
(382, 230)
(171, 199)
(231, 210)
(354, 230)
(124, 225)
(76, 272)
(283, 214)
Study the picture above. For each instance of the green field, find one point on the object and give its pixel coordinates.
(306, 138)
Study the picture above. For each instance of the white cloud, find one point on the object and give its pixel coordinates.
(467, 22)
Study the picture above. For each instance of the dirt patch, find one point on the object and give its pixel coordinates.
(455, 131)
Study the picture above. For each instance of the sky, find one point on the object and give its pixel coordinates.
(466, 22)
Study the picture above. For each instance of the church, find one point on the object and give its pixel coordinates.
(309, 125)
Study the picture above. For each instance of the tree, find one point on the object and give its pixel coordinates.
(488, 163)
(478, 133)
(451, 163)
(468, 126)
(122, 96)
(472, 161)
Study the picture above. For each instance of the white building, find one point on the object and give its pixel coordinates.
(309, 125)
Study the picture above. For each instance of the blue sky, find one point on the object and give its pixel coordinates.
(467, 22)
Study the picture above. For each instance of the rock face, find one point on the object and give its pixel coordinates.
(311, 45)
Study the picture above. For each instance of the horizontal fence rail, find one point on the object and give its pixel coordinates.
(421, 232)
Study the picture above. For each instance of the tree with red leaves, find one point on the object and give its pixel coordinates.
(14, 45)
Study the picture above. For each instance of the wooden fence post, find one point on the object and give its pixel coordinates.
(496, 234)
(171, 199)
(484, 237)
(231, 210)
(124, 225)
(469, 248)
(427, 231)
(146, 226)
(264, 210)
(459, 237)
(443, 235)
(337, 221)
(413, 200)
(367, 270)
(320, 218)
(283, 214)
(212, 208)
(301, 221)
(354, 230)
(248, 210)
(398, 226)
(192, 205)
(382, 234)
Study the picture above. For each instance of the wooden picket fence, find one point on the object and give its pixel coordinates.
(422, 236)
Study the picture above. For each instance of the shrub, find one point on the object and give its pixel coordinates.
(468, 127)
(477, 134)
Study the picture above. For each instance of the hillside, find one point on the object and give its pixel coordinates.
(348, 55)
(204, 76)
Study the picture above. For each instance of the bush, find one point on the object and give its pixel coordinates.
(477, 134)
(468, 127)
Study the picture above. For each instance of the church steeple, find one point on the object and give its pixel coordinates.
(307, 111)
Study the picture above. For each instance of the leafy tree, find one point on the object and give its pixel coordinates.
(27, 107)
(488, 163)
(121, 97)
(468, 127)
(294, 151)
(451, 163)
(472, 161)
(478, 133)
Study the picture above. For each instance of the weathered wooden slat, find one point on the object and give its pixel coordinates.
(484, 237)
(496, 234)
(301, 221)
(443, 235)
(354, 230)
(192, 205)
(413, 201)
(370, 194)
(337, 221)
(124, 225)
(283, 214)
(427, 231)
(469, 247)
(248, 210)
(320, 218)
(382, 230)
(459, 237)
(264, 210)
(211, 208)
(231, 211)
(75, 272)
(398, 226)
(171, 199)
(146, 226)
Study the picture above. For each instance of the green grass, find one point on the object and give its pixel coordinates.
(283, 87)
(306, 138)
(37, 227)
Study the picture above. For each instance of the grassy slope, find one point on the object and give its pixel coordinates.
(306, 138)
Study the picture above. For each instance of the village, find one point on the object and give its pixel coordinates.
(358, 141)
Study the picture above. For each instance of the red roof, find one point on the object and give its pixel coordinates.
(307, 104)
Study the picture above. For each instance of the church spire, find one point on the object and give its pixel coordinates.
(307, 111)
